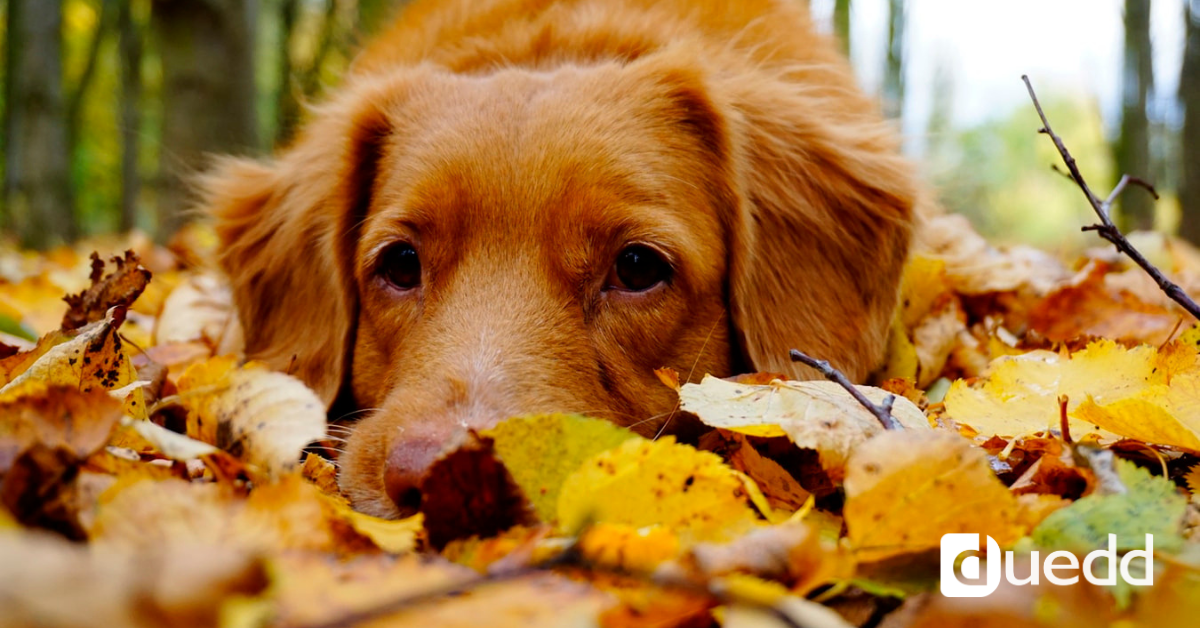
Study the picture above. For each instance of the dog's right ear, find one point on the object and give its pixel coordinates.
(287, 230)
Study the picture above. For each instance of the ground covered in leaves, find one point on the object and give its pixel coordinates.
(150, 477)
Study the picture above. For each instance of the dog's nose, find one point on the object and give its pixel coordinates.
(408, 463)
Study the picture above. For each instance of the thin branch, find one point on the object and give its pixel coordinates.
(881, 412)
(1107, 229)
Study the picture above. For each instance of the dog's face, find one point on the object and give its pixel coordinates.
(448, 251)
(535, 243)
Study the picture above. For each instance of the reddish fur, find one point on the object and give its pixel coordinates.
(521, 144)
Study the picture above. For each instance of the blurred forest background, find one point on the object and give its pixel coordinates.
(109, 105)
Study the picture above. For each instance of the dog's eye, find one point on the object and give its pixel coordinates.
(638, 268)
(401, 266)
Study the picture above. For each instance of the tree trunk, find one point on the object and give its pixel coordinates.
(37, 183)
(208, 92)
(131, 113)
(893, 77)
(287, 103)
(374, 15)
(841, 24)
(1189, 94)
(1133, 146)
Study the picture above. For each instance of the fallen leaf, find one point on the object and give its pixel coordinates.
(540, 451)
(644, 483)
(816, 415)
(469, 491)
(94, 359)
(167, 585)
(904, 490)
(260, 416)
(200, 308)
(1149, 505)
(118, 288)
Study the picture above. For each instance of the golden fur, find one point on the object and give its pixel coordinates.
(519, 145)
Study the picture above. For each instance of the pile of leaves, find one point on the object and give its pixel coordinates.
(149, 476)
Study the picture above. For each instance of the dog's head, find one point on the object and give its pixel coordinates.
(449, 250)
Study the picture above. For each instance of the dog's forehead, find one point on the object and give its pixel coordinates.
(522, 153)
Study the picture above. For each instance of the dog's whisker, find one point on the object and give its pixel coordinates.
(349, 415)
(691, 371)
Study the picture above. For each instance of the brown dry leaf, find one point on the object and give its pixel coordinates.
(118, 288)
(1081, 605)
(783, 492)
(1051, 475)
(936, 337)
(49, 582)
(817, 415)
(643, 606)
(94, 359)
(260, 416)
(904, 490)
(315, 590)
(469, 491)
(200, 308)
(792, 553)
(46, 435)
(289, 514)
(1089, 307)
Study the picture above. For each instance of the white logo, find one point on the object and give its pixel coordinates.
(1057, 566)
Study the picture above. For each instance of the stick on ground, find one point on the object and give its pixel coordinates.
(1103, 208)
(882, 412)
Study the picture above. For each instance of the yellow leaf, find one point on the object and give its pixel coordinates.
(904, 490)
(1141, 393)
(901, 361)
(620, 546)
(924, 280)
(816, 415)
(95, 359)
(645, 483)
(1140, 419)
(392, 536)
(540, 451)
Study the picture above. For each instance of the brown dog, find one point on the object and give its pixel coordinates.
(519, 206)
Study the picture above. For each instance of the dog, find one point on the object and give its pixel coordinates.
(524, 206)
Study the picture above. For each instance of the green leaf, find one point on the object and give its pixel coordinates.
(1150, 505)
(540, 451)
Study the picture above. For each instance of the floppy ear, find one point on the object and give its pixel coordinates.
(287, 230)
(824, 222)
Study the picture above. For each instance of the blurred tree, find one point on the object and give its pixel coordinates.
(87, 76)
(37, 188)
(287, 102)
(841, 24)
(1189, 94)
(375, 14)
(893, 76)
(130, 35)
(206, 49)
(1133, 146)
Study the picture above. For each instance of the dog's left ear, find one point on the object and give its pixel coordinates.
(817, 204)
(823, 228)
(287, 230)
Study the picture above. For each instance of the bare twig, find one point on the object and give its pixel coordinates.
(881, 412)
(1106, 228)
